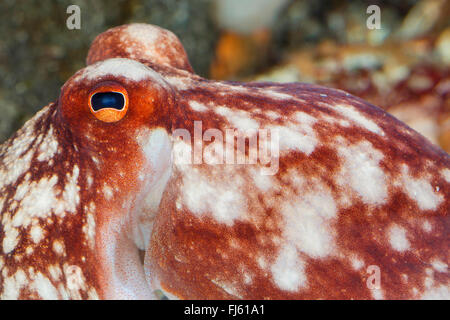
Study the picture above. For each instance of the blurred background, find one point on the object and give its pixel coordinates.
(404, 67)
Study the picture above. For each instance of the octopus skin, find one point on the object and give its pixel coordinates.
(351, 194)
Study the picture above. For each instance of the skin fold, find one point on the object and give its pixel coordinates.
(353, 204)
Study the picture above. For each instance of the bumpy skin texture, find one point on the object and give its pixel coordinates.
(141, 42)
(354, 188)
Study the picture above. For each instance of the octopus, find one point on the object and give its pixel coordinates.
(143, 177)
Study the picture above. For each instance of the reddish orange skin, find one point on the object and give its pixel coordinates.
(114, 44)
(104, 155)
(186, 251)
(308, 232)
(115, 145)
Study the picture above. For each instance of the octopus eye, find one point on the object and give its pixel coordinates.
(109, 103)
(105, 100)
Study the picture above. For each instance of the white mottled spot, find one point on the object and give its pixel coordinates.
(152, 43)
(71, 193)
(262, 263)
(143, 33)
(228, 288)
(2, 201)
(13, 206)
(17, 167)
(156, 147)
(119, 67)
(178, 204)
(304, 119)
(298, 135)
(75, 277)
(288, 271)
(421, 191)
(233, 88)
(10, 239)
(182, 151)
(58, 247)
(405, 278)
(357, 263)
(247, 279)
(63, 292)
(352, 114)
(446, 174)
(96, 160)
(180, 83)
(89, 180)
(197, 106)
(377, 294)
(262, 182)
(13, 285)
(278, 95)
(292, 139)
(239, 119)
(23, 188)
(89, 226)
(108, 192)
(361, 170)
(439, 293)
(38, 201)
(15, 161)
(43, 286)
(36, 233)
(439, 266)
(397, 238)
(55, 272)
(307, 219)
(333, 120)
(48, 147)
(427, 226)
(272, 114)
(92, 294)
(203, 195)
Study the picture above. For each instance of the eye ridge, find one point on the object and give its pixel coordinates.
(107, 100)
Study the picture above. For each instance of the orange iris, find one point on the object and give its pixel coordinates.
(108, 102)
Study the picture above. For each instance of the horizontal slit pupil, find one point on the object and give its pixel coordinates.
(102, 100)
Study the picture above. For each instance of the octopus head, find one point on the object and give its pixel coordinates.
(115, 114)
